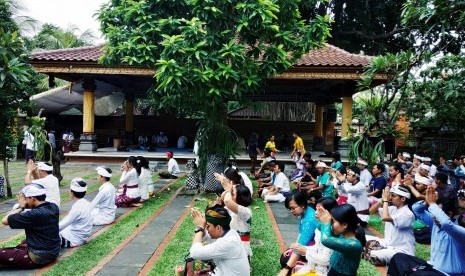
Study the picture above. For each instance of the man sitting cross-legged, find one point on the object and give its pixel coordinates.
(280, 185)
(227, 252)
(76, 227)
(40, 223)
(398, 233)
(103, 206)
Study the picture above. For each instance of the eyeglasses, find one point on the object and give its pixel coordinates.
(293, 207)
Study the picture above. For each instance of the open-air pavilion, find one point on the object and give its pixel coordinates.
(318, 80)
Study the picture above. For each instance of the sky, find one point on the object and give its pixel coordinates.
(62, 13)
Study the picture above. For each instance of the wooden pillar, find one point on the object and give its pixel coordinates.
(88, 106)
(129, 114)
(402, 126)
(318, 121)
(346, 115)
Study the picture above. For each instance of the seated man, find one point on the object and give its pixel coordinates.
(103, 206)
(42, 244)
(76, 227)
(227, 252)
(280, 185)
(447, 240)
(162, 140)
(398, 233)
(42, 174)
(173, 167)
(266, 181)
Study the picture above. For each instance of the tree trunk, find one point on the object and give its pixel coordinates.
(7, 178)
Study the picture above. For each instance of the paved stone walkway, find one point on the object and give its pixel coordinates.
(130, 260)
(146, 238)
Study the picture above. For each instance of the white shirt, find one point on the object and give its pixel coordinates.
(317, 256)
(247, 182)
(29, 139)
(227, 253)
(104, 204)
(131, 180)
(241, 222)
(398, 234)
(433, 170)
(182, 141)
(281, 181)
(173, 167)
(365, 177)
(356, 195)
(145, 179)
(76, 227)
(51, 185)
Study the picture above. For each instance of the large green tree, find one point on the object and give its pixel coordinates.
(207, 52)
(51, 37)
(15, 85)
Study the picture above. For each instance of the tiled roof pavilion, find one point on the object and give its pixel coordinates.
(327, 56)
(329, 69)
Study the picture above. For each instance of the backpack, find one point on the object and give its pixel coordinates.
(422, 235)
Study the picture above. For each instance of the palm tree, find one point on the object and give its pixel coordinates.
(26, 24)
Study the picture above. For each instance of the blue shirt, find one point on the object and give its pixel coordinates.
(307, 226)
(447, 240)
(378, 183)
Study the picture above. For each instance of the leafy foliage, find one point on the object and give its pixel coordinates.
(206, 52)
(51, 37)
(14, 84)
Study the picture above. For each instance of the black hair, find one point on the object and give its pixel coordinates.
(253, 137)
(405, 190)
(78, 194)
(380, 167)
(449, 204)
(398, 167)
(269, 137)
(40, 197)
(222, 211)
(243, 196)
(311, 162)
(272, 163)
(327, 202)
(133, 161)
(342, 170)
(307, 156)
(109, 171)
(345, 213)
(442, 177)
(336, 156)
(280, 165)
(356, 170)
(300, 199)
(232, 174)
(143, 162)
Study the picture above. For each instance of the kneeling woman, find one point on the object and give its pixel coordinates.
(129, 183)
(344, 236)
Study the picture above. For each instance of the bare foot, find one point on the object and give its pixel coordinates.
(179, 270)
(139, 205)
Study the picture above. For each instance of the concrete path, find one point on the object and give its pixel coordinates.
(130, 260)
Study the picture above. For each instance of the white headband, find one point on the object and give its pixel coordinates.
(362, 162)
(320, 164)
(426, 159)
(417, 157)
(398, 191)
(424, 167)
(103, 172)
(406, 155)
(423, 180)
(44, 167)
(33, 189)
(78, 185)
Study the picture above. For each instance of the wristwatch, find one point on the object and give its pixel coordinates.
(199, 229)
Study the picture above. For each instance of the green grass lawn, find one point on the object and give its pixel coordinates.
(89, 255)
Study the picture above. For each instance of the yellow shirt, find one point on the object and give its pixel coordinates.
(299, 144)
(270, 145)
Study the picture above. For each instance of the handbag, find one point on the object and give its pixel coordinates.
(197, 268)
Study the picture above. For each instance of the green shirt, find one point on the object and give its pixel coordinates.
(328, 190)
(346, 254)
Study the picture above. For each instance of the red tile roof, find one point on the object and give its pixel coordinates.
(327, 56)
(332, 56)
(87, 53)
